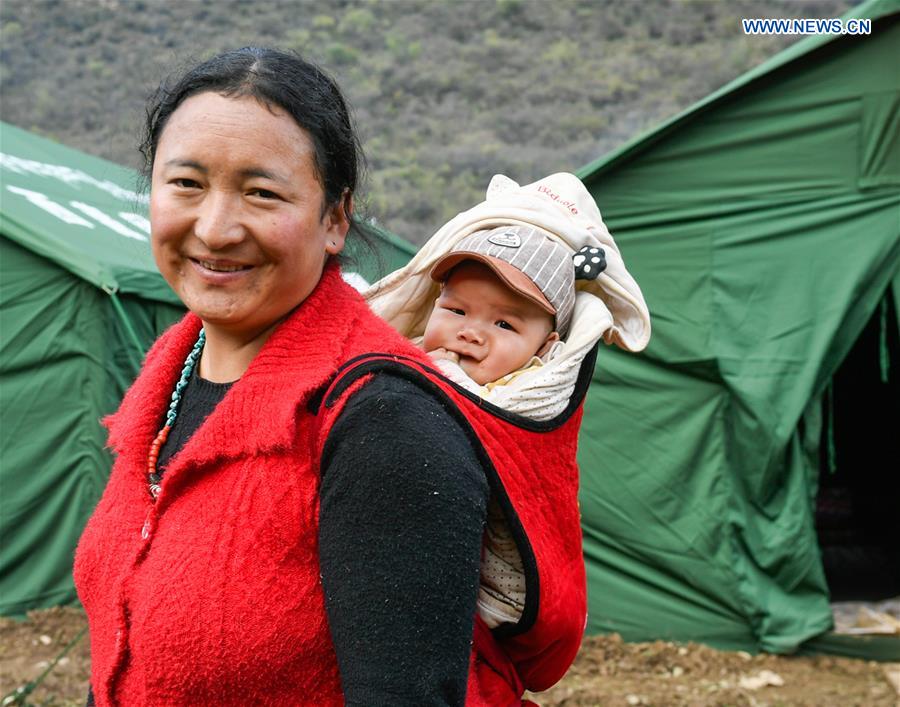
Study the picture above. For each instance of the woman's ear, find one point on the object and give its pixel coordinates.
(552, 338)
(337, 223)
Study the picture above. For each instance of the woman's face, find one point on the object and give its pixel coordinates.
(237, 215)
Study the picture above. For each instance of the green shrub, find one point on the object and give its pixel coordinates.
(323, 22)
(359, 19)
(338, 53)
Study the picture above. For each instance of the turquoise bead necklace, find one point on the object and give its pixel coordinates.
(153, 476)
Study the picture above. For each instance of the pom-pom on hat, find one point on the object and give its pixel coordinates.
(527, 260)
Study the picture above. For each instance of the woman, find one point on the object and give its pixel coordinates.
(200, 568)
(279, 526)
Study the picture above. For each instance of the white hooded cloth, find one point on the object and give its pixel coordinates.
(610, 307)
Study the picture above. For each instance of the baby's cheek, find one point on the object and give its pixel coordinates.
(432, 338)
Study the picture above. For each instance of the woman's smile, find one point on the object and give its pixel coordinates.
(220, 273)
(218, 265)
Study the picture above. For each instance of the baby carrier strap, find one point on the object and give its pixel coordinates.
(424, 375)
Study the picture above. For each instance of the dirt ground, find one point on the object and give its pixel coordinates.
(607, 672)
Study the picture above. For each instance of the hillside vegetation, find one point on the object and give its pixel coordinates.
(446, 93)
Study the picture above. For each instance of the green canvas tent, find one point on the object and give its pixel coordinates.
(763, 225)
(80, 302)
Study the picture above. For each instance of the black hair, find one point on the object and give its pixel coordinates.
(284, 80)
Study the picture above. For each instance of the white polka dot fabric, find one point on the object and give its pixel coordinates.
(501, 591)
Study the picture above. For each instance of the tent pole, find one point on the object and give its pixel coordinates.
(884, 357)
(120, 310)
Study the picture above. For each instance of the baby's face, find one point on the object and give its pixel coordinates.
(492, 329)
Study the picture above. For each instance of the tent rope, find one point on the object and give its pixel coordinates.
(832, 450)
(132, 334)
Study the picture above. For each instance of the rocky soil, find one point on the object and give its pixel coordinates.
(608, 671)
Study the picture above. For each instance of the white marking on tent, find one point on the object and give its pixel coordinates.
(47, 204)
(107, 220)
(135, 220)
(68, 175)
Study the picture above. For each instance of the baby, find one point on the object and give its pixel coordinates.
(506, 297)
(509, 327)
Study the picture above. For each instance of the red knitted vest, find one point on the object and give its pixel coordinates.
(211, 595)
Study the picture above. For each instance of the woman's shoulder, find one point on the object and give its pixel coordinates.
(390, 395)
(348, 320)
(379, 336)
(397, 415)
